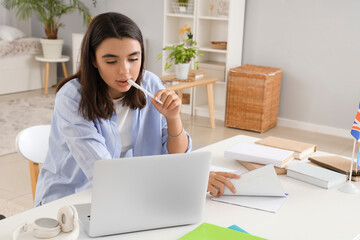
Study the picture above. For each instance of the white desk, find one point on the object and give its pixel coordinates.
(309, 213)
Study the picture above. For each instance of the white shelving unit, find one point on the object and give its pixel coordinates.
(208, 26)
(76, 45)
(173, 21)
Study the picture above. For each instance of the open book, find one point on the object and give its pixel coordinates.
(257, 189)
(256, 153)
(301, 149)
(262, 181)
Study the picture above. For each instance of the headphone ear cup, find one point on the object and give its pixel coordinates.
(46, 228)
(66, 218)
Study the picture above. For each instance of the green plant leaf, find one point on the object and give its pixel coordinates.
(181, 53)
(48, 12)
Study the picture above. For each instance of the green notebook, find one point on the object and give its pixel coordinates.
(208, 231)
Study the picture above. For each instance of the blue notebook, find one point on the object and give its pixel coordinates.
(237, 228)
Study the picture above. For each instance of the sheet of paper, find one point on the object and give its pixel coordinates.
(262, 181)
(268, 204)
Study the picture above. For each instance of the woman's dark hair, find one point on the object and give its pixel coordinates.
(96, 101)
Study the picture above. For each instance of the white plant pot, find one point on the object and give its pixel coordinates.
(182, 70)
(52, 48)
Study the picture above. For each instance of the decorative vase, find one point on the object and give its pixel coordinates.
(189, 44)
(52, 48)
(182, 70)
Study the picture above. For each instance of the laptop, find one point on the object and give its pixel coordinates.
(143, 193)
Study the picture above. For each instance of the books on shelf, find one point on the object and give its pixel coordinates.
(315, 175)
(196, 74)
(192, 76)
(256, 153)
(337, 164)
(301, 149)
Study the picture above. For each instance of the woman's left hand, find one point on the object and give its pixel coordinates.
(171, 103)
(218, 181)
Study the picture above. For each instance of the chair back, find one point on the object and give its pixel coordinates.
(33, 144)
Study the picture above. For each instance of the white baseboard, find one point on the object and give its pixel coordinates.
(205, 113)
(339, 132)
(284, 122)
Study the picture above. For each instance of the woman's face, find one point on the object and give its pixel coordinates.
(118, 60)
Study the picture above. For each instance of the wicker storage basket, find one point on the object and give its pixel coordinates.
(253, 97)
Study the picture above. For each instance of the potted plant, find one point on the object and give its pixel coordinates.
(49, 13)
(183, 6)
(182, 54)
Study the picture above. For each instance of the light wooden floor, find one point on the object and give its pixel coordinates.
(14, 170)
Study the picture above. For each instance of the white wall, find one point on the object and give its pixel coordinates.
(317, 44)
(148, 15)
(9, 18)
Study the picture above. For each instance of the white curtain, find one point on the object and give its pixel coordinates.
(9, 18)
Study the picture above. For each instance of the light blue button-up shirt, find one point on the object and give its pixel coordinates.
(75, 143)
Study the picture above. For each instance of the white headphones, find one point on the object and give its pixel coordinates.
(67, 225)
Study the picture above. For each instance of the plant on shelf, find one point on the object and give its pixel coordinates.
(183, 6)
(182, 54)
(48, 12)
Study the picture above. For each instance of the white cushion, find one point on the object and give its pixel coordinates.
(8, 33)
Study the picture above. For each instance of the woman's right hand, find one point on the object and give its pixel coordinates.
(218, 181)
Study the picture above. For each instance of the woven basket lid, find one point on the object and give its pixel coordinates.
(257, 70)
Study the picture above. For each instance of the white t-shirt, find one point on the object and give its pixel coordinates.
(124, 121)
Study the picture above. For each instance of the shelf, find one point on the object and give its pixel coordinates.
(171, 44)
(214, 18)
(208, 49)
(180, 15)
(208, 26)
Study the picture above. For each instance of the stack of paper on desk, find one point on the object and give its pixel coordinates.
(301, 149)
(259, 189)
(316, 175)
(251, 152)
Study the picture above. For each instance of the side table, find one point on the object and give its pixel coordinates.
(47, 62)
(207, 81)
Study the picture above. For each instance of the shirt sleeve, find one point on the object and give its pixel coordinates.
(84, 140)
(154, 84)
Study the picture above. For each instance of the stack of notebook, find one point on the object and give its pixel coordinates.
(255, 153)
(337, 164)
(300, 150)
(315, 175)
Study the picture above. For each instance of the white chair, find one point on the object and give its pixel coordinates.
(33, 143)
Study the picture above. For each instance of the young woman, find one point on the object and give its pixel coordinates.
(99, 115)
